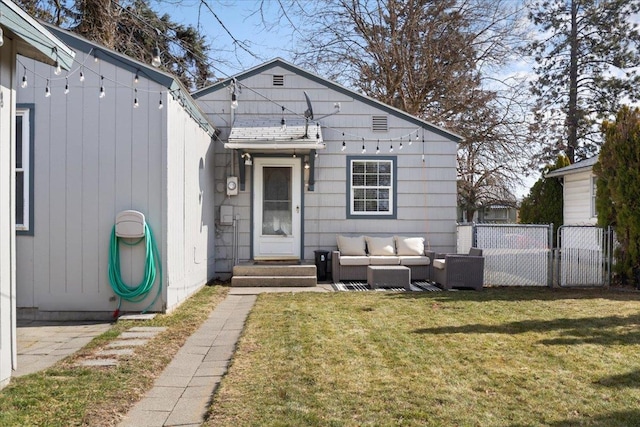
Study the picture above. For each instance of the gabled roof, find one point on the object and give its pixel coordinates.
(33, 40)
(278, 62)
(577, 167)
(134, 66)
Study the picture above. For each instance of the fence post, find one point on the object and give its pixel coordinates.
(551, 270)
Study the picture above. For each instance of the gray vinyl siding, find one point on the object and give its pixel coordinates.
(426, 192)
(94, 158)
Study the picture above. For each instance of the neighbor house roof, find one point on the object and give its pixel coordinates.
(577, 167)
(171, 82)
(33, 40)
(278, 62)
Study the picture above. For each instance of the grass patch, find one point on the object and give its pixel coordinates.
(68, 395)
(501, 357)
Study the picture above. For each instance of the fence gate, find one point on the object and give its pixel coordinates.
(583, 256)
(515, 254)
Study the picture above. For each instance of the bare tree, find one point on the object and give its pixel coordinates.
(433, 59)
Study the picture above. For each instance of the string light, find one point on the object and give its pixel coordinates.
(102, 92)
(160, 106)
(24, 78)
(378, 147)
(58, 69)
(136, 78)
(400, 148)
(47, 90)
(364, 149)
(135, 99)
(283, 122)
(81, 75)
(66, 86)
(391, 148)
(155, 60)
(344, 144)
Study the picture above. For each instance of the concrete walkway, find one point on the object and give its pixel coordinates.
(42, 344)
(182, 394)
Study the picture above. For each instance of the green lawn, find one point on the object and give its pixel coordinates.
(501, 357)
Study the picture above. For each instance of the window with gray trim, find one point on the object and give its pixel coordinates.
(371, 187)
(24, 172)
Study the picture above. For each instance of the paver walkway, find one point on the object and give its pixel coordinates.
(182, 393)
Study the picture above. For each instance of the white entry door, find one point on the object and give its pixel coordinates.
(276, 208)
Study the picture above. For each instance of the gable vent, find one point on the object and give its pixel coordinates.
(278, 80)
(379, 123)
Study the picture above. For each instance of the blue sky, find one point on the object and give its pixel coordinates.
(241, 23)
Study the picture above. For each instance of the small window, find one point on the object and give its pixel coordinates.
(278, 80)
(379, 123)
(24, 172)
(371, 187)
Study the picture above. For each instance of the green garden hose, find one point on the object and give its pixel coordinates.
(152, 269)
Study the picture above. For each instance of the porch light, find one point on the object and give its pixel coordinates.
(234, 101)
(306, 164)
(247, 159)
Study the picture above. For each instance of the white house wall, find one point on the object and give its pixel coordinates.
(426, 192)
(190, 242)
(94, 158)
(7, 219)
(577, 199)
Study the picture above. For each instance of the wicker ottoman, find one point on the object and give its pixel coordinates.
(389, 276)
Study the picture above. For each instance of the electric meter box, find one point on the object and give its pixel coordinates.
(232, 186)
(226, 215)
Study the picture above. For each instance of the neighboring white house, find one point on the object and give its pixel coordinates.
(113, 134)
(19, 34)
(292, 173)
(579, 192)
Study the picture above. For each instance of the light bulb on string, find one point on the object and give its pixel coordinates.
(155, 57)
(136, 78)
(24, 78)
(58, 69)
(344, 144)
(391, 148)
(400, 148)
(364, 148)
(317, 131)
(234, 101)
(378, 147)
(160, 105)
(47, 90)
(81, 75)
(135, 99)
(283, 122)
(66, 85)
(102, 92)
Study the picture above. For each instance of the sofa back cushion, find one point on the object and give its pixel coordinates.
(409, 245)
(380, 246)
(351, 246)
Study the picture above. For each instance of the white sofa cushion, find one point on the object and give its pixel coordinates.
(354, 260)
(380, 246)
(409, 245)
(384, 260)
(414, 260)
(439, 264)
(351, 246)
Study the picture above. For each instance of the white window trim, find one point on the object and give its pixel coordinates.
(26, 167)
(368, 214)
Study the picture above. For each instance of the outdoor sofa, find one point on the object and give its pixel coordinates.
(459, 270)
(356, 253)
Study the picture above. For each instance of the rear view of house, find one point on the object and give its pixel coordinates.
(302, 159)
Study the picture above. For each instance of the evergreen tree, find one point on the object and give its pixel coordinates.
(618, 188)
(544, 203)
(585, 66)
(133, 28)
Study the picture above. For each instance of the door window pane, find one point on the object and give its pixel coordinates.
(276, 205)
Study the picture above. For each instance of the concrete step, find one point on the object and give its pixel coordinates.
(273, 281)
(274, 270)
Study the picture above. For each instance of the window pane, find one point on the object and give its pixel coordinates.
(385, 180)
(19, 142)
(383, 205)
(385, 167)
(372, 194)
(19, 198)
(276, 205)
(372, 206)
(358, 205)
(371, 181)
(357, 180)
(383, 194)
(358, 167)
(358, 193)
